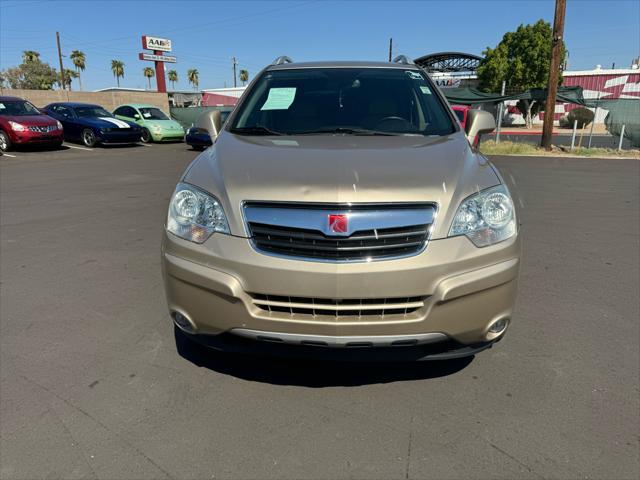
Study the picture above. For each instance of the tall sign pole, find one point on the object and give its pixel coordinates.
(159, 46)
(235, 83)
(161, 82)
(60, 58)
(554, 72)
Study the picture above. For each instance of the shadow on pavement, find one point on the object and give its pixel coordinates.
(313, 374)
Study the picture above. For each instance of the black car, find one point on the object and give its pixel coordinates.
(199, 138)
(92, 124)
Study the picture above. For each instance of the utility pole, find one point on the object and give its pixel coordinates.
(390, 48)
(235, 79)
(60, 58)
(554, 71)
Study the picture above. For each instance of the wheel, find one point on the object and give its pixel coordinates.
(146, 136)
(5, 142)
(88, 138)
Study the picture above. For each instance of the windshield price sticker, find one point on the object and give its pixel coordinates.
(279, 98)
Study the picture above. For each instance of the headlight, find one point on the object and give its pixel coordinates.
(194, 215)
(17, 127)
(486, 217)
(59, 125)
(156, 128)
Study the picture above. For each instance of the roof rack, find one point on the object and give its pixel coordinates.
(282, 59)
(403, 59)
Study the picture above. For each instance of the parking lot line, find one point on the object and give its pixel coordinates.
(145, 145)
(8, 155)
(79, 148)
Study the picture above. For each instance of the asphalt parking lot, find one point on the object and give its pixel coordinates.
(91, 384)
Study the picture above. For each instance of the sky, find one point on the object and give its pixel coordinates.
(206, 35)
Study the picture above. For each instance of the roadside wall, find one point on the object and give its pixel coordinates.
(109, 100)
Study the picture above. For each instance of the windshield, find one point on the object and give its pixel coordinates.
(153, 114)
(388, 101)
(18, 108)
(92, 112)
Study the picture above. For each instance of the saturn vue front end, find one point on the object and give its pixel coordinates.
(342, 213)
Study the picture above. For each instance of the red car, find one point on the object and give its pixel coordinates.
(23, 124)
(461, 112)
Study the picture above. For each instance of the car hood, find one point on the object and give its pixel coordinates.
(31, 119)
(107, 122)
(342, 169)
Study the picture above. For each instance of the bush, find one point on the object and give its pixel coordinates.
(584, 116)
(563, 122)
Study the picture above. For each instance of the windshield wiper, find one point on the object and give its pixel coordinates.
(254, 130)
(347, 131)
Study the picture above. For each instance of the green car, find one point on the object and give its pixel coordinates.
(156, 125)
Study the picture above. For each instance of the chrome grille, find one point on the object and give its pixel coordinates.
(388, 242)
(375, 232)
(41, 129)
(338, 308)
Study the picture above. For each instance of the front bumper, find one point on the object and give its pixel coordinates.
(198, 140)
(121, 137)
(466, 289)
(36, 138)
(167, 136)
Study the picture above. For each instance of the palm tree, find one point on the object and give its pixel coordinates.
(149, 73)
(192, 76)
(173, 78)
(69, 75)
(244, 76)
(79, 61)
(30, 56)
(117, 67)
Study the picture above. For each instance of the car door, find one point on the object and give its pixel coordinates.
(67, 117)
(126, 113)
(52, 111)
(137, 116)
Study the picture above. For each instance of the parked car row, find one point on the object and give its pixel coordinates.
(21, 123)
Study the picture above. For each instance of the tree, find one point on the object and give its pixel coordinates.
(30, 56)
(31, 74)
(521, 59)
(79, 61)
(193, 77)
(244, 76)
(117, 68)
(173, 78)
(69, 75)
(149, 73)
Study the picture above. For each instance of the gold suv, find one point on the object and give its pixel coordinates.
(342, 213)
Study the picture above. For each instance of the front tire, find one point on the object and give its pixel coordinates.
(5, 142)
(89, 138)
(146, 136)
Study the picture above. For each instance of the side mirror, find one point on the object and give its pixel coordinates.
(211, 121)
(479, 122)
